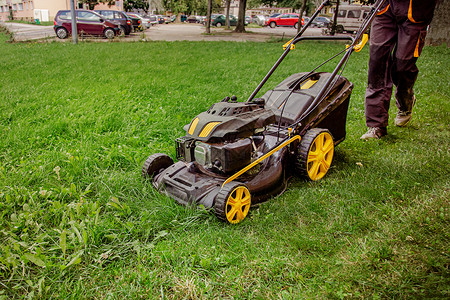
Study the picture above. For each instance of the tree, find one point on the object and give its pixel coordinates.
(208, 17)
(440, 26)
(93, 3)
(336, 12)
(240, 26)
(227, 13)
(129, 5)
(302, 9)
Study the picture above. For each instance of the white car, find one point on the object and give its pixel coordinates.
(145, 21)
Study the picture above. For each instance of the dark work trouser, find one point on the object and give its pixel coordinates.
(395, 45)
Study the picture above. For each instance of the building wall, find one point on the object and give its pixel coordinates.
(24, 9)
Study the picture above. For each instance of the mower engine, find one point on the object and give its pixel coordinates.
(225, 137)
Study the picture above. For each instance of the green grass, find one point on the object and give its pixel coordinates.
(77, 220)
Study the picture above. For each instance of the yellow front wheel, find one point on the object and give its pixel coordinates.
(315, 153)
(232, 202)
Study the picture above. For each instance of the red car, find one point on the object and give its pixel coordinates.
(88, 22)
(284, 20)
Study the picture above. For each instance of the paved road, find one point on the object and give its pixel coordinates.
(26, 32)
(167, 32)
(196, 32)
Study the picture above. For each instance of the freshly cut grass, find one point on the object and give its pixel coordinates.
(77, 220)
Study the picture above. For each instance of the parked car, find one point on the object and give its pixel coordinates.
(259, 20)
(219, 20)
(141, 22)
(161, 19)
(153, 19)
(321, 22)
(274, 15)
(350, 17)
(88, 22)
(118, 17)
(135, 21)
(193, 19)
(284, 20)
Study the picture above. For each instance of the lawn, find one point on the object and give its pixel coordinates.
(77, 220)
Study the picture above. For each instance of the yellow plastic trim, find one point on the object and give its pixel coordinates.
(193, 125)
(237, 206)
(287, 44)
(362, 43)
(308, 84)
(296, 137)
(320, 156)
(208, 128)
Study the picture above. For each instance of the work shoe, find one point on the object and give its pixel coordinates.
(374, 133)
(403, 117)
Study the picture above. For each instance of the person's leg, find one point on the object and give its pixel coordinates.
(411, 38)
(379, 84)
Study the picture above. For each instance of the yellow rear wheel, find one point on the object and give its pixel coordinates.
(315, 153)
(233, 203)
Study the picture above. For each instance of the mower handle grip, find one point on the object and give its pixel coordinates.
(324, 38)
(362, 43)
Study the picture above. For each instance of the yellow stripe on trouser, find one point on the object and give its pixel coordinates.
(416, 50)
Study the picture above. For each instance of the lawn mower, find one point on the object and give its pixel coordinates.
(237, 154)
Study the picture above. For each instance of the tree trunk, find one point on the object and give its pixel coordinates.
(208, 17)
(336, 11)
(240, 26)
(440, 26)
(227, 14)
(302, 9)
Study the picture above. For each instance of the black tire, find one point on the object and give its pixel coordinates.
(296, 25)
(218, 24)
(62, 33)
(109, 33)
(339, 29)
(272, 24)
(155, 164)
(233, 202)
(122, 31)
(315, 154)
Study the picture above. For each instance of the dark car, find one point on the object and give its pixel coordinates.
(321, 22)
(88, 22)
(183, 18)
(193, 19)
(120, 18)
(135, 20)
(219, 20)
(161, 19)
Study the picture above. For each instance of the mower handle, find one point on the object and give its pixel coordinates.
(324, 38)
(298, 37)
